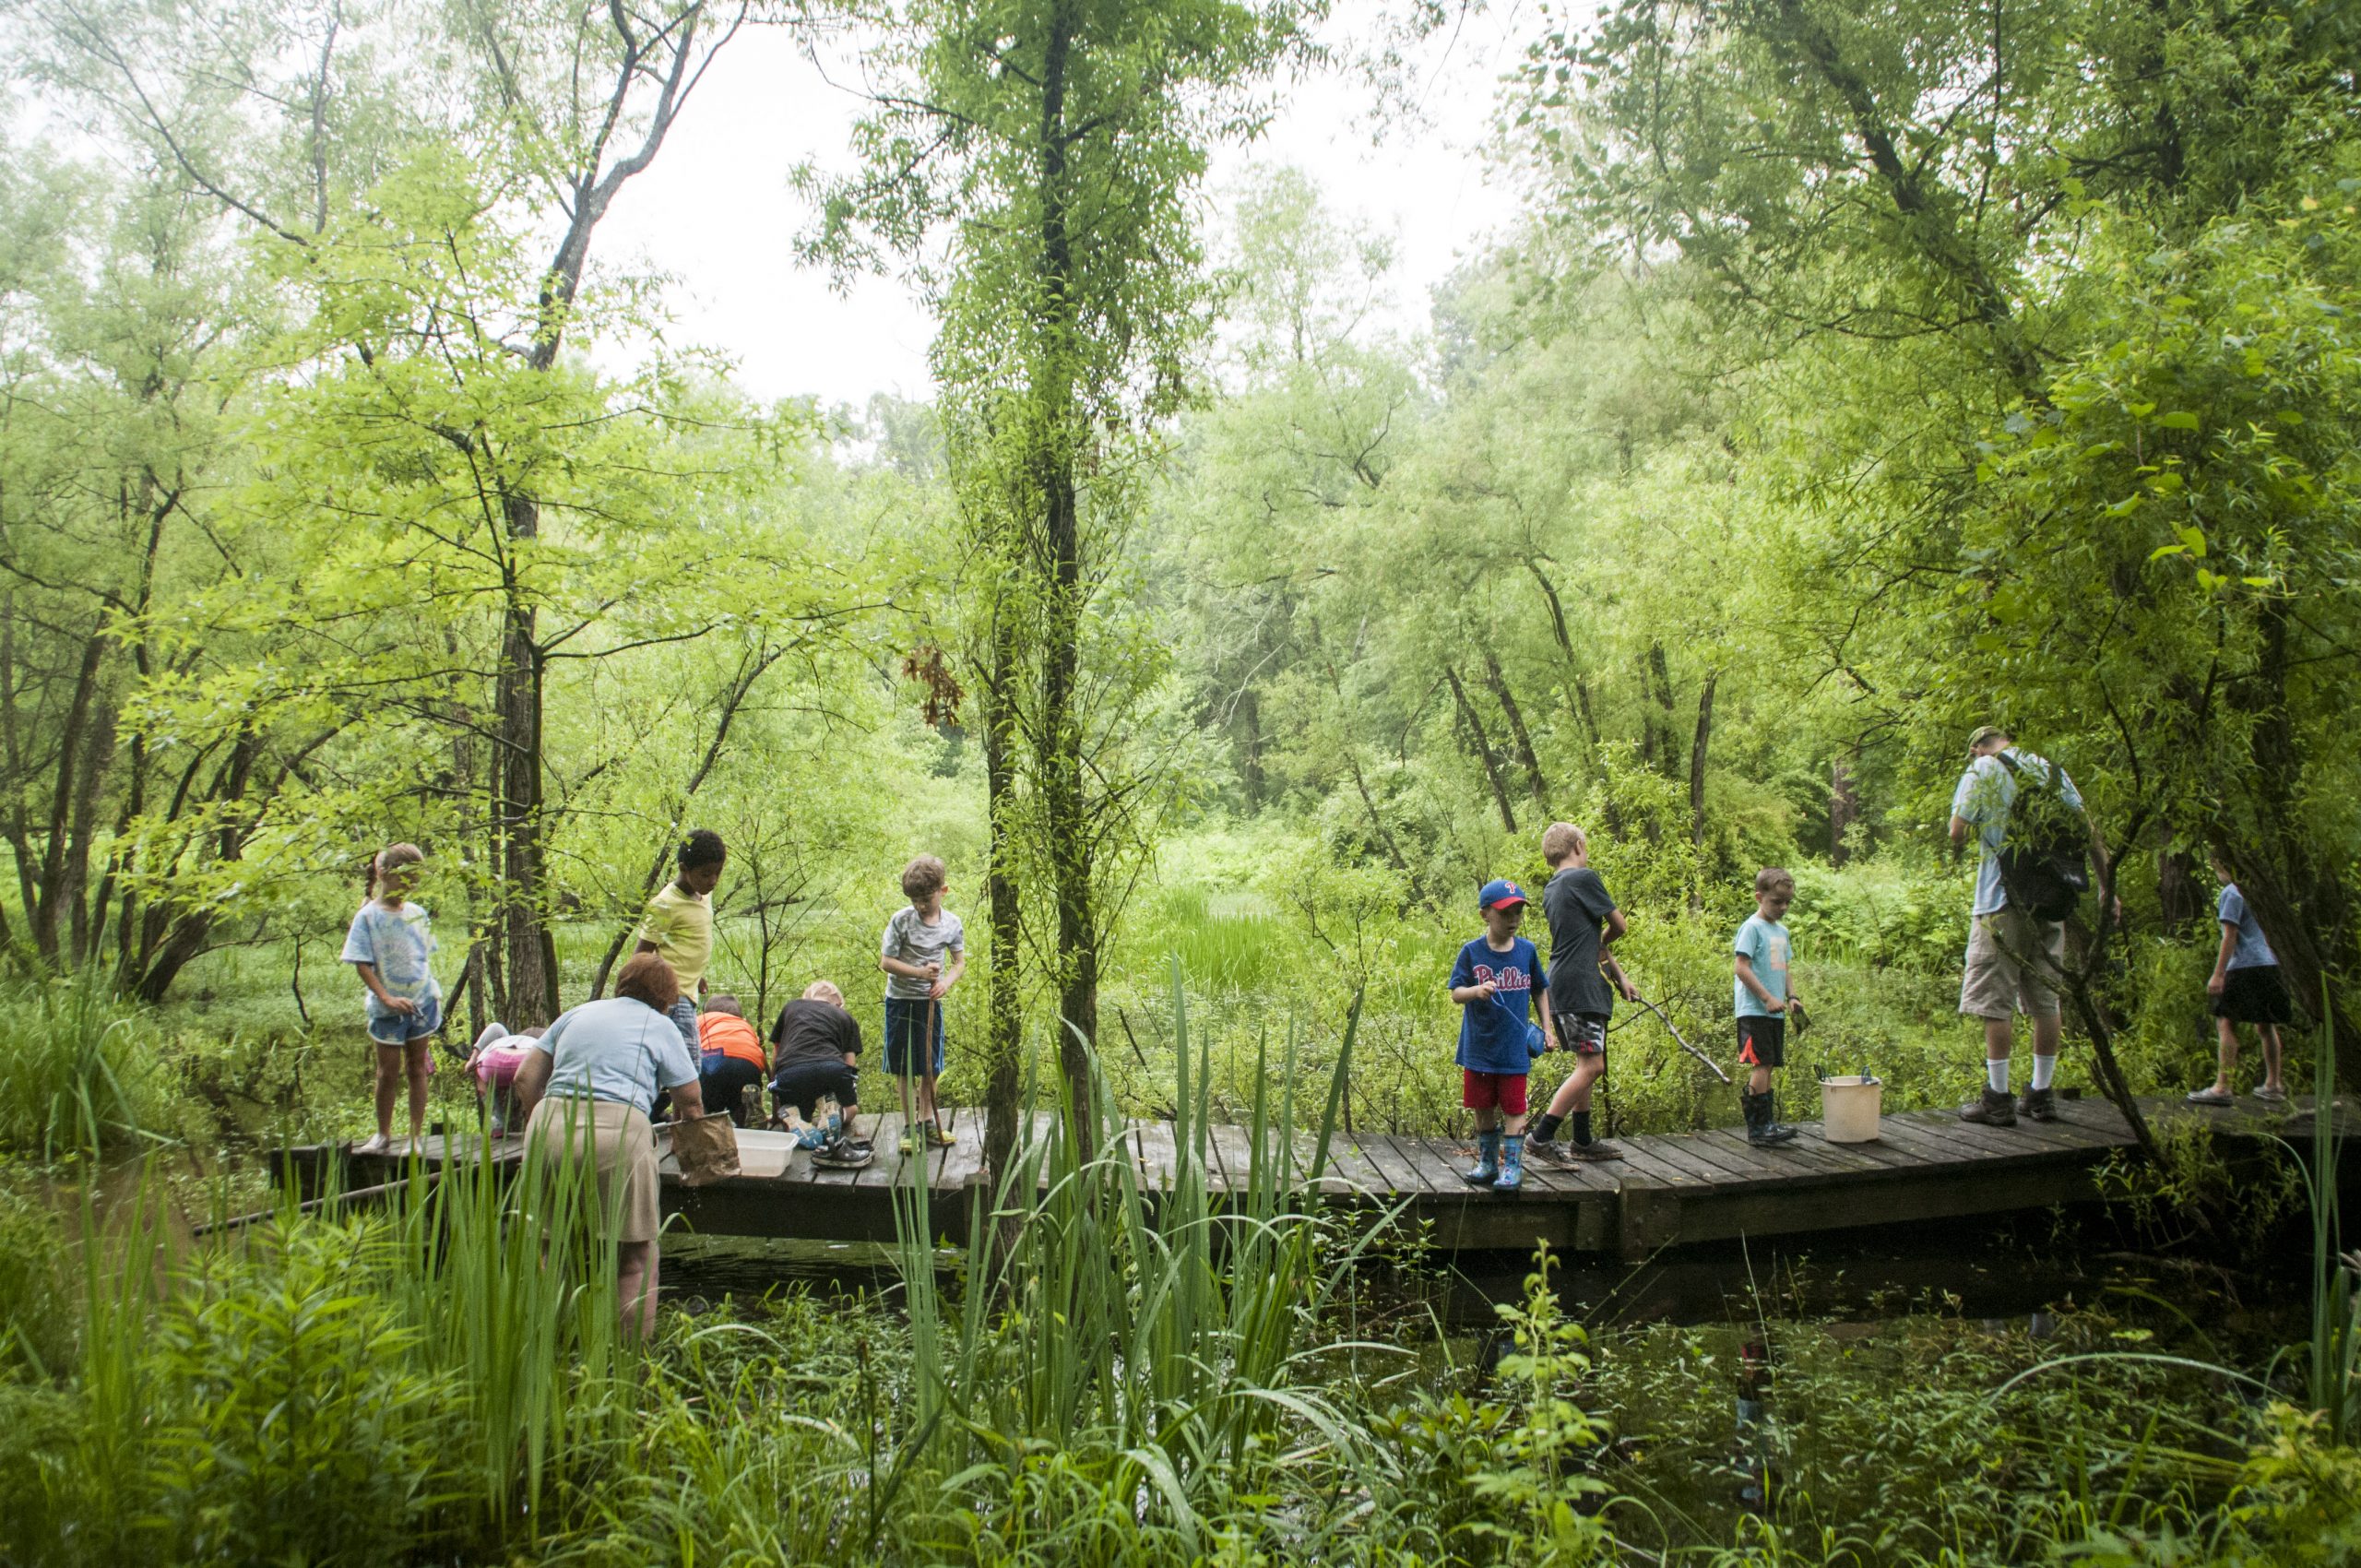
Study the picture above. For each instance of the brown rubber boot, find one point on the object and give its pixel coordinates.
(2038, 1105)
(1995, 1109)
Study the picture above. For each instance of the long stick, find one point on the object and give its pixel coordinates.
(1713, 1065)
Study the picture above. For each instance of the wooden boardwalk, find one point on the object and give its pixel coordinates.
(1667, 1190)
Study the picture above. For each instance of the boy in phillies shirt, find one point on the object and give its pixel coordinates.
(1496, 981)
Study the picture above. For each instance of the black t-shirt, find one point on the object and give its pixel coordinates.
(812, 1031)
(1577, 905)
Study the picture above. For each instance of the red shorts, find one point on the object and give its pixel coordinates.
(1504, 1092)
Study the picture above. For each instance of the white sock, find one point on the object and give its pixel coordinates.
(2043, 1069)
(1996, 1073)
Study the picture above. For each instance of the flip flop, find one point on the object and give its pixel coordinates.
(2209, 1097)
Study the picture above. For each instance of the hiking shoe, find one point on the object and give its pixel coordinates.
(1995, 1109)
(2038, 1105)
(1597, 1149)
(936, 1137)
(1549, 1152)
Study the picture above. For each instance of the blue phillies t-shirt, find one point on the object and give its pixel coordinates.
(1492, 1034)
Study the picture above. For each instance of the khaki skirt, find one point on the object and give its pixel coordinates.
(622, 1149)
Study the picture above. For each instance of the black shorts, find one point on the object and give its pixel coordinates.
(2255, 995)
(1584, 1033)
(1762, 1042)
(800, 1084)
(723, 1083)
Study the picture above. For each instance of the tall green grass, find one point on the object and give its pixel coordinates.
(77, 1072)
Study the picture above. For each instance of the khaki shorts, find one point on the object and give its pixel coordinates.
(1996, 984)
(621, 1146)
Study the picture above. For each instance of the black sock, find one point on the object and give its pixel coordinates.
(1581, 1127)
(1545, 1127)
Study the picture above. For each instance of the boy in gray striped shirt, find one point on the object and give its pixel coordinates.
(923, 953)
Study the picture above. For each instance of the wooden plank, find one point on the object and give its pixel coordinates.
(1641, 1158)
(1648, 1218)
(1236, 1166)
(1675, 1149)
(879, 1174)
(1808, 1150)
(1889, 1156)
(1155, 1155)
(1383, 1151)
(1783, 1165)
(1955, 1142)
(1441, 1160)
(1945, 1143)
(1348, 1165)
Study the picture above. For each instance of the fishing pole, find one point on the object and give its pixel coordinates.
(1712, 1066)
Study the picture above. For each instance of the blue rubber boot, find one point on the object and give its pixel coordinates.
(1511, 1164)
(1487, 1169)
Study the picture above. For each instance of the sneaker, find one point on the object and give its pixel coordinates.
(2038, 1105)
(913, 1141)
(1550, 1153)
(1995, 1109)
(377, 1144)
(2269, 1095)
(1598, 1148)
(937, 1137)
(841, 1153)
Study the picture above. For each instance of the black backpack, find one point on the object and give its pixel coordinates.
(2045, 849)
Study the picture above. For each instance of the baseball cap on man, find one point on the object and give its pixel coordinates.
(1499, 892)
(1988, 732)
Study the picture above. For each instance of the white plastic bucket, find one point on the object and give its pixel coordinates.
(1848, 1110)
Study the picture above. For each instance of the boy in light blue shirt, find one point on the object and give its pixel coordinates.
(1762, 997)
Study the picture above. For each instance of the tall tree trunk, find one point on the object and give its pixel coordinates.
(1697, 759)
(45, 914)
(1003, 995)
(527, 946)
(2300, 903)
(1481, 747)
(1249, 749)
(1532, 764)
(1064, 809)
(1657, 747)
(1844, 811)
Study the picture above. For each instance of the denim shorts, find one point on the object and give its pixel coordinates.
(405, 1029)
(684, 1018)
(904, 1029)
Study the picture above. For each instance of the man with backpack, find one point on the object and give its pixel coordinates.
(2032, 833)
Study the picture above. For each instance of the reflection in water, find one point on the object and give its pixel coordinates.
(1758, 1476)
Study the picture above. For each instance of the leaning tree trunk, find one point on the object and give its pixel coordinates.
(1518, 734)
(1697, 760)
(1481, 747)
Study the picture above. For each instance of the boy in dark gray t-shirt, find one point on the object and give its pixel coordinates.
(1583, 923)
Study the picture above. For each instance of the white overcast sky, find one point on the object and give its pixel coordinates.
(715, 211)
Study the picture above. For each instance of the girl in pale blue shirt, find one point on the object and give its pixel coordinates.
(391, 945)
